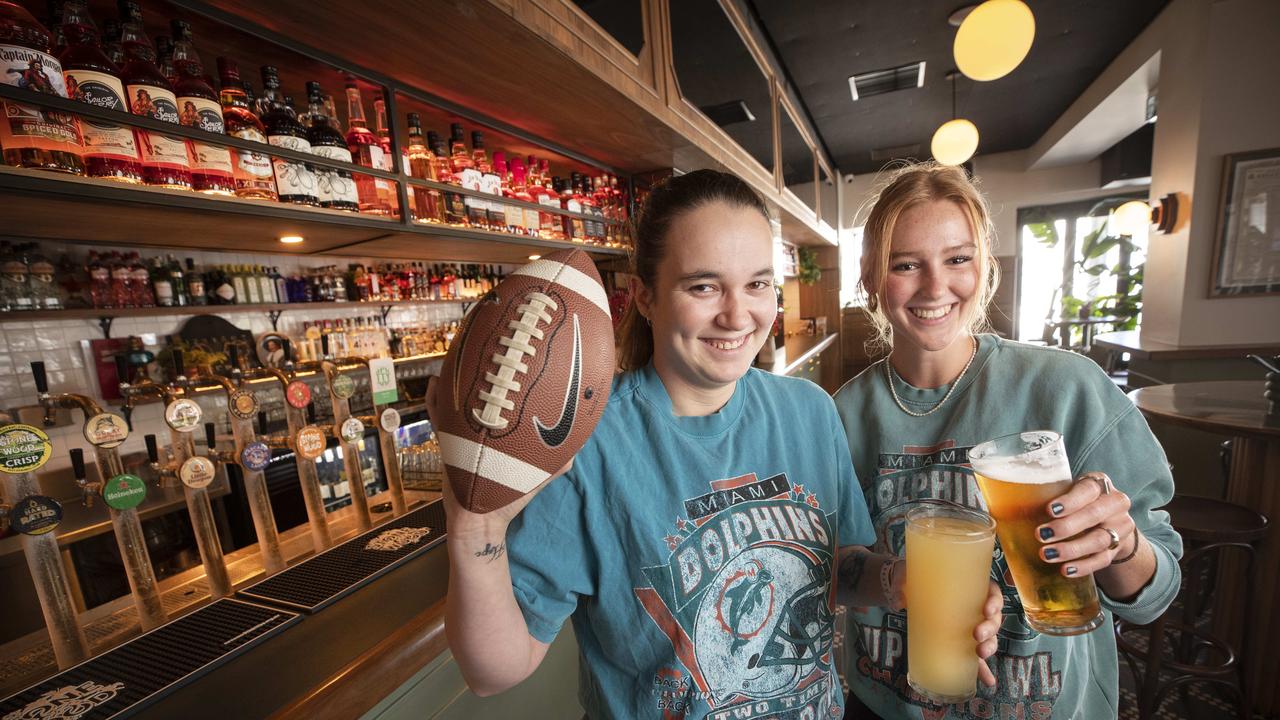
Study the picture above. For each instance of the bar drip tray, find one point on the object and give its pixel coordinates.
(336, 572)
(130, 677)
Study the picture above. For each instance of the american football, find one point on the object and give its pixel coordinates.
(525, 380)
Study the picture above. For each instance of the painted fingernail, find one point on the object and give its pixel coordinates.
(1056, 508)
(1050, 553)
(1046, 533)
(1071, 570)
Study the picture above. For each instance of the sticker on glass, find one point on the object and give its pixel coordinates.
(35, 515)
(255, 456)
(125, 491)
(197, 472)
(23, 448)
(106, 430)
(183, 415)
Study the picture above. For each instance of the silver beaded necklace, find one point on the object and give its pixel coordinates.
(888, 374)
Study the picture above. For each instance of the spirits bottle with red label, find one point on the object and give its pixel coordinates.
(254, 176)
(149, 93)
(211, 170)
(365, 150)
(386, 188)
(295, 181)
(31, 136)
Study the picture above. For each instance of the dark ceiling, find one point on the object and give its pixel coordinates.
(820, 43)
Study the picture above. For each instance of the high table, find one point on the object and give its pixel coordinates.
(1237, 408)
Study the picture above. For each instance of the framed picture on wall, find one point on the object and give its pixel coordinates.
(1246, 253)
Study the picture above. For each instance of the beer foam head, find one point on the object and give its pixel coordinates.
(1031, 459)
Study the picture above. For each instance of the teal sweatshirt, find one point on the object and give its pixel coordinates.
(900, 459)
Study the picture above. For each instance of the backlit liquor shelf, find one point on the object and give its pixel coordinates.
(98, 313)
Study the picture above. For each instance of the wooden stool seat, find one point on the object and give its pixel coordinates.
(1208, 520)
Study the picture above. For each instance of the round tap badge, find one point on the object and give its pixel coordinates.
(351, 430)
(297, 394)
(243, 404)
(389, 420)
(183, 415)
(23, 448)
(310, 442)
(35, 515)
(106, 430)
(255, 456)
(344, 387)
(124, 491)
(197, 472)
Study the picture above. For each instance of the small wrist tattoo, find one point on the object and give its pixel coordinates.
(491, 551)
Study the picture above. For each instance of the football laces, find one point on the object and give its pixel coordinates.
(510, 364)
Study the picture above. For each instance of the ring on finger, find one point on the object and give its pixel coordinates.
(1104, 482)
(1115, 538)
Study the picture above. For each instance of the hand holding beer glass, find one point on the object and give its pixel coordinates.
(1022, 477)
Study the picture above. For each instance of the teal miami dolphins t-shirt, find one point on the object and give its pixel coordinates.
(694, 555)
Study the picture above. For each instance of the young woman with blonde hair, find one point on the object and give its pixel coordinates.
(928, 275)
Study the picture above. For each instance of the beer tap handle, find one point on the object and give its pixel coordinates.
(311, 414)
(122, 370)
(324, 346)
(42, 380)
(262, 423)
(153, 451)
(211, 436)
(179, 369)
(77, 469)
(233, 357)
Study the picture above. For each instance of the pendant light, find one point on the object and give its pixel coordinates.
(956, 140)
(994, 38)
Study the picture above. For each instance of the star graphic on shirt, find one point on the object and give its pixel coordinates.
(672, 542)
(812, 500)
(797, 489)
(681, 524)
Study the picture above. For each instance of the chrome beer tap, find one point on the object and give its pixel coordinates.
(121, 491)
(25, 449)
(253, 457)
(329, 365)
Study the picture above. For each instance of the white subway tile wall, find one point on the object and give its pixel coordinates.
(63, 344)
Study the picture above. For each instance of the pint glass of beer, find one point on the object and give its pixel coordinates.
(1018, 475)
(948, 569)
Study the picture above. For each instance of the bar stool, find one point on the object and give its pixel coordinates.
(1211, 530)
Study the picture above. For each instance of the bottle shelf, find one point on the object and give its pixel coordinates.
(98, 313)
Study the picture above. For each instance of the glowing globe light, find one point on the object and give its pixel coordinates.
(1131, 218)
(994, 39)
(954, 142)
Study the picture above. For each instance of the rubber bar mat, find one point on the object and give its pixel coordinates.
(130, 677)
(318, 581)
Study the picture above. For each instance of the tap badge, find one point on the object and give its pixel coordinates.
(35, 515)
(197, 472)
(255, 456)
(351, 430)
(124, 491)
(389, 420)
(23, 448)
(243, 404)
(298, 394)
(343, 386)
(311, 442)
(183, 415)
(106, 430)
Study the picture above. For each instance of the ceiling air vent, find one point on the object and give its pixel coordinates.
(879, 82)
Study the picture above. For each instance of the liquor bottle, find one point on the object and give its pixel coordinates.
(573, 226)
(281, 286)
(386, 189)
(254, 176)
(335, 188)
(252, 286)
(161, 286)
(490, 183)
(99, 281)
(464, 174)
(455, 208)
(177, 281)
(164, 58)
(222, 290)
(149, 93)
(15, 289)
(530, 219)
(548, 223)
(110, 151)
(266, 286)
(428, 204)
(33, 137)
(140, 282)
(111, 42)
(211, 169)
(365, 150)
(582, 189)
(195, 285)
(53, 21)
(295, 181)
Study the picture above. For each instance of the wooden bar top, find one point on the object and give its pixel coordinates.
(1130, 341)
